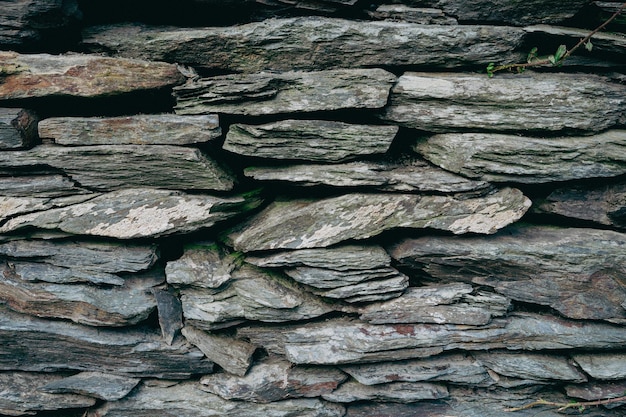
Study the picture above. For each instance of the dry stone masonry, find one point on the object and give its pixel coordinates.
(310, 208)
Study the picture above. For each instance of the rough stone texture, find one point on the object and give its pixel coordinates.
(309, 140)
(413, 175)
(147, 129)
(604, 366)
(18, 128)
(521, 159)
(598, 391)
(170, 313)
(76, 75)
(93, 384)
(422, 16)
(447, 102)
(287, 92)
(320, 223)
(37, 183)
(576, 271)
(311, 43)
(134, 213)
(405, 392)
(203, 265)
(531, 366)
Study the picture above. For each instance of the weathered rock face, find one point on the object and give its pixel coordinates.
(18, 128)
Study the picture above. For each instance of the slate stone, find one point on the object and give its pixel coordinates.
(99, 385)
(80, 75)
(573, 270)
(18, 128)
(530, 160)
(170, 313)
(405, 392)
(404, 13)
(328, 6)
(311, 43)
(595, 391)
(274, 380)
(309, 140)
(202, 265)
(144, 129)
(449, 102)
(37, 183)
(603, 366)
(134, 213)
(293, 92)
(327, 221)
(531, 366)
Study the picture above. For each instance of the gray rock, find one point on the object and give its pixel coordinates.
(324, 222)
(37, 345)
(405, 392)
(404, 13)
(309, 140)
(146, 129)
(274, 380)
(11, 207)
(203, 265)
(18, 128)
(311, 43)
(405, 176)
(42, 184)
(93, 384)
(19, 395)
(78, 75)
(603, 366)
(234, 356)
(512, 158)
(188, 399)
(576, 271)
(170, 313)
(288, 92)
(327, 6)
(594, 391)
(448, 102)
(531, 366)
(135, 212)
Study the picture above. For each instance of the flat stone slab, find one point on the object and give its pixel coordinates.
(449, 102)
(404, 392)
(309, 140)
(43, 183)
(202, 265)
(287, 92)
(321, 223)
(99, 385)
(79, 75)
(144, 129)
(530, 160)
(18, 128)
(311, 43)
(420, 15)
(603, 366)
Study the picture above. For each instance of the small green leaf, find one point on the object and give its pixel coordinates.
(560, 52)
(588, 45)
(490, 68)
(532, 55)
(552, 59)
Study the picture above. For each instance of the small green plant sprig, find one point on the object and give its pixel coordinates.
(556, 59)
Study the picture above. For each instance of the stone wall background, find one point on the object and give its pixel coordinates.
(310, 208)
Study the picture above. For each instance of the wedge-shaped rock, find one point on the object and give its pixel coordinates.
(77, 75)
(447, 102)
(598, 391)
(234, 356)
(288, 92)
(406, 176)
(147, 129)
(275, 380)
(603, 205)
(18, 128)
(531, 366)
(309, 140)
(576, 271)
(203, 265)
(134, 213)
(312, 43)
(511, 158)
(299, 224)
(188, 399)
(110, 167)
(38, 345)
(19, 394)
(404, 13)
(405, 392)
(170, 313)
(604, 366)
(93, 384)
(441, 304)
(37, 183)
(454, 368)
(342, 341)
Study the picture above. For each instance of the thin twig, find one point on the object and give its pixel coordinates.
(564, 406)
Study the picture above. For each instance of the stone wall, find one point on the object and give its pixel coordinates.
(310, 208)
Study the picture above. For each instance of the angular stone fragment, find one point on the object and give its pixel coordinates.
(146, 129)
(452, 368)
(78, 75)
(604, 366)
(11, 207)
(233, 355)
(107, 387)
(311, 43)
(594, 391)
(440, 304)
(314, 5)
(170, 313)
(512, 158)
(404, 13)
(576, 271)
(288, 92)
(18, 128)
(274, 380)
(203, 265)
(133, 213)
(406, 176)
(39, 184)
(110, 167)
(309, 140)
(188, 399)
(405, 392)
(38, 345)
(448, 102)
(531, 366)
(320, 223)
(19, 394)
